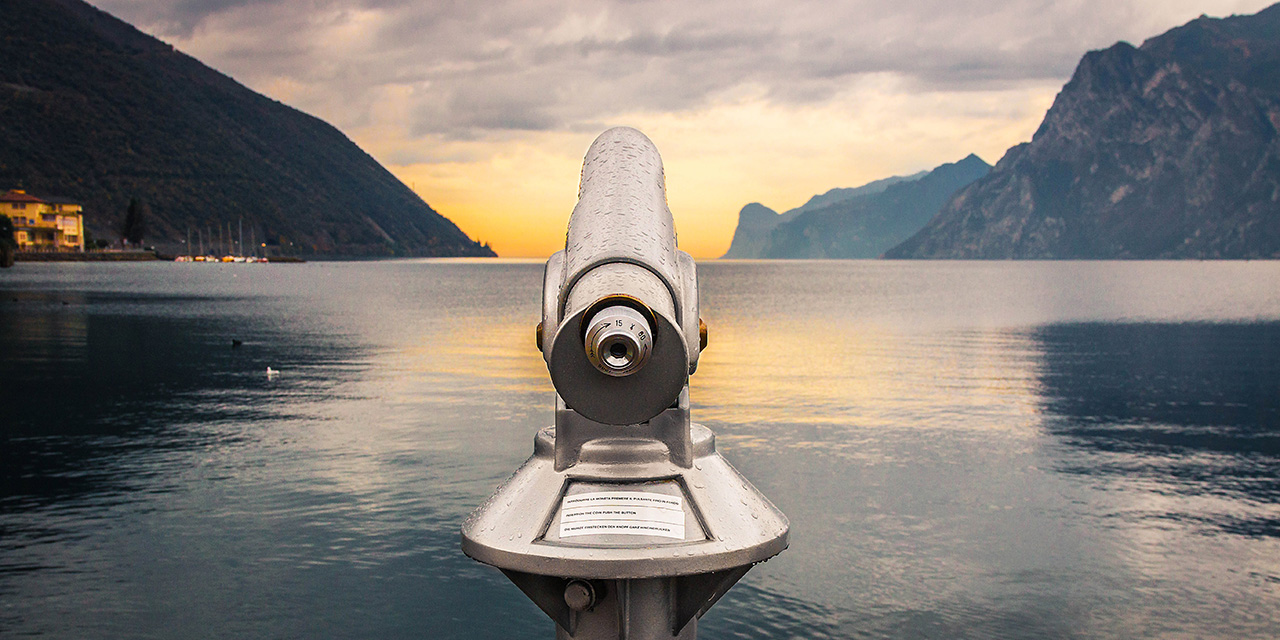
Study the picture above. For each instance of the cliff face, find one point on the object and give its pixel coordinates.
(756, 221)
(96, 111)
(866, 226)
(1169, 150)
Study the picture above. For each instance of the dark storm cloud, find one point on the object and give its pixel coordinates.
(474, 67)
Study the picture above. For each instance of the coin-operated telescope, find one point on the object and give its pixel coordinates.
(625, 523)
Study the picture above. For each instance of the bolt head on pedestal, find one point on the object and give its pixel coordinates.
(579, 595)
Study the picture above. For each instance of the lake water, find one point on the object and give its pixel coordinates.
(964, 450)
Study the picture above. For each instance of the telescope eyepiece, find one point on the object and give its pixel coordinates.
(619, 340)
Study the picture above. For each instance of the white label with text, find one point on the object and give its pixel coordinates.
(634, 513)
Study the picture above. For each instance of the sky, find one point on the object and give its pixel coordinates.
(486, 108)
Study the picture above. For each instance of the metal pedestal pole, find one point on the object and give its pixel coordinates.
(631, 610)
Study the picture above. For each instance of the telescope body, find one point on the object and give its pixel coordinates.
(625, 522)
(621, 251)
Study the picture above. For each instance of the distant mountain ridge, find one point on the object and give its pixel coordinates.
(1169, 150)
(838, 194)
(852, 223)
(867, 226)
(756, 221)
(94, 110)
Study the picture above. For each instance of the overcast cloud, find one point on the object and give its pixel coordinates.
(466, 69)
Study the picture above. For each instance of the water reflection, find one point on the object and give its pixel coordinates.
(1189, 410)
(105, 408)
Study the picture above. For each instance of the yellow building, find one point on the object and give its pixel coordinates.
(44, 224)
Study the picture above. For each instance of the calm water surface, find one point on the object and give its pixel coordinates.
(965, 450)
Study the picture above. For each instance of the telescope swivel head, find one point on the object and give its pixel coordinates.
(620, 326)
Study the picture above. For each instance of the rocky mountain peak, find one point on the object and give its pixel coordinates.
(1168, 150)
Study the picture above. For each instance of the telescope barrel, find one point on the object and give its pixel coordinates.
(621, 264)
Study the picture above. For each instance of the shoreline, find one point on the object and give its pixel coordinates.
(118, 256)
(87, 256)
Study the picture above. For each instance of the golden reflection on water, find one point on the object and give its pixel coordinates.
(814, 382)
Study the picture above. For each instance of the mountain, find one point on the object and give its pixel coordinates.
(93, 110)
(1168, 150)
(756, 221)
(840, 193)
(866, 225)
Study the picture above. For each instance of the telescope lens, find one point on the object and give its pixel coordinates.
(618, 341)
(618, 355)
